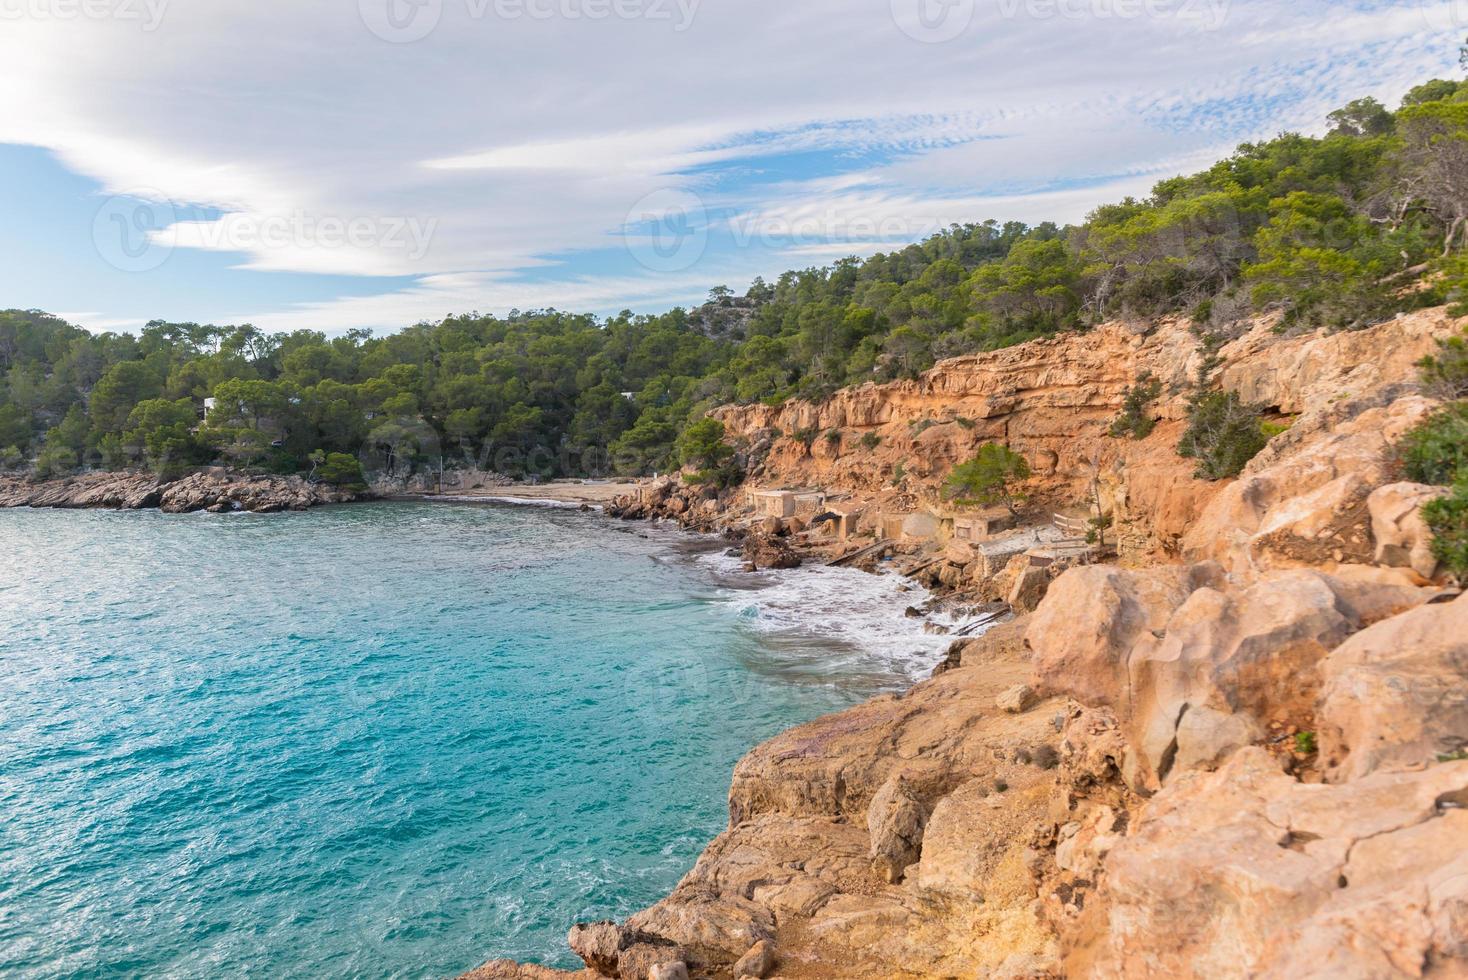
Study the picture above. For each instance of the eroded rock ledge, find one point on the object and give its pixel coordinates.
(214, 490)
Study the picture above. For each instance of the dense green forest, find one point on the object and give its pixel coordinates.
(1326, 230)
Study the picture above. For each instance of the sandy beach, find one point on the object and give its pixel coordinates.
(594, 494)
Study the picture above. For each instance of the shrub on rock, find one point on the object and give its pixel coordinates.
(1223, 434)
(1448, 519)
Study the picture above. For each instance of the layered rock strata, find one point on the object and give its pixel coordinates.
(218, 491)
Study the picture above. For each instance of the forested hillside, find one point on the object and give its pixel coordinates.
(1331, 231)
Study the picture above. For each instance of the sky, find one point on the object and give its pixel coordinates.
(340, 164)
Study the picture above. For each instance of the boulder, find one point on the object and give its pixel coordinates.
(1083, 632)
(1304, 500)
(1016, 700)
(896, 819)
(758, 962)
(766, 552)
(1161, 645)
(975, 839)
(1403, 539)
(669, 971)
(1396, 694)
(640, 960)
(1029, 588)
(1248, 873)
(1206, 737)
(599, 944)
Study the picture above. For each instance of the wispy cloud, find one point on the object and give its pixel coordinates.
(526, 144)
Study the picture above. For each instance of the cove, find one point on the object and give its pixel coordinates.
(387, 740)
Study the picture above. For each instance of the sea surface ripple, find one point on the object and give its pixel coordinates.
(389, 740)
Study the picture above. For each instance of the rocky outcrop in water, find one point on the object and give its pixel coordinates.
(218, 491)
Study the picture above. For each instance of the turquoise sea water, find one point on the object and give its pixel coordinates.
(391, 740)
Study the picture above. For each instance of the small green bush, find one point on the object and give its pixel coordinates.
(1223, 434)
(806, 437)
(1134, 420)
(55, 461)
(1209, 345)
(1446, 373)
(870, 440)
(1436, 451)
(1448, 519)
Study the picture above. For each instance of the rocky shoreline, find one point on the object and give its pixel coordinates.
(215, 491)
(1236, 747)
(1233, 742)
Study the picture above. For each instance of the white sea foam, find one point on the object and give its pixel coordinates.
(856, 619)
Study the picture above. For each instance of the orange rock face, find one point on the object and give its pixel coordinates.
(1054, 400)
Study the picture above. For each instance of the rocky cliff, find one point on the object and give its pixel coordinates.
(1242, 753)
(1054, 401)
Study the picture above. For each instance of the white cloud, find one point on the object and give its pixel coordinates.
(519, 139)
(101, 322)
